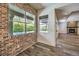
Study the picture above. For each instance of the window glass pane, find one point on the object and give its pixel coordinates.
(22, 19)
(20, 22)
(30, 23)
(44, 25)
(17, 20)
(13, 7)
(30, 26)
(18, 28)
(18, 25)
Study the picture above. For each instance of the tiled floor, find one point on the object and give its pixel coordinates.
(67, 45)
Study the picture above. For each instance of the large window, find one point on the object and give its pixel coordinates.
(20, 21)
(43, 23)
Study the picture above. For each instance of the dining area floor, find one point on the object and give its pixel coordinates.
(67, 45)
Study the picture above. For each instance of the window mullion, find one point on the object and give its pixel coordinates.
(25, 22)
(11, 25)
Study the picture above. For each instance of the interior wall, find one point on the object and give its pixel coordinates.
(47, 37)
(63, 27)
(78, 28)
(74, 17)
(50, 37)
(71, 22)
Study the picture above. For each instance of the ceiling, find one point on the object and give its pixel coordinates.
(70, 8)
(41, 5)
(67, 10)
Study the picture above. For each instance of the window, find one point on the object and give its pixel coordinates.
(30, 22)
(43, 23)
(20, 22)
(18, 25)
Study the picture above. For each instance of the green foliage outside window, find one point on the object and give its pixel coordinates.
(30, 27)
(44, 28)
(20, 21)
(18, 27)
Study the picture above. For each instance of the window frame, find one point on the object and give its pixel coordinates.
(25, 26)
(42, 18)
(30, 19)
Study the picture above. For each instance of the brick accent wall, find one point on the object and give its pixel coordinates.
(12, 45)
(26, 7)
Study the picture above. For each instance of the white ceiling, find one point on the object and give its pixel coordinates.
(41, 5)
(70, 8)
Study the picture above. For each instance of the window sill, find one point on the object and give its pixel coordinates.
(43, 31)
(22, 34)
